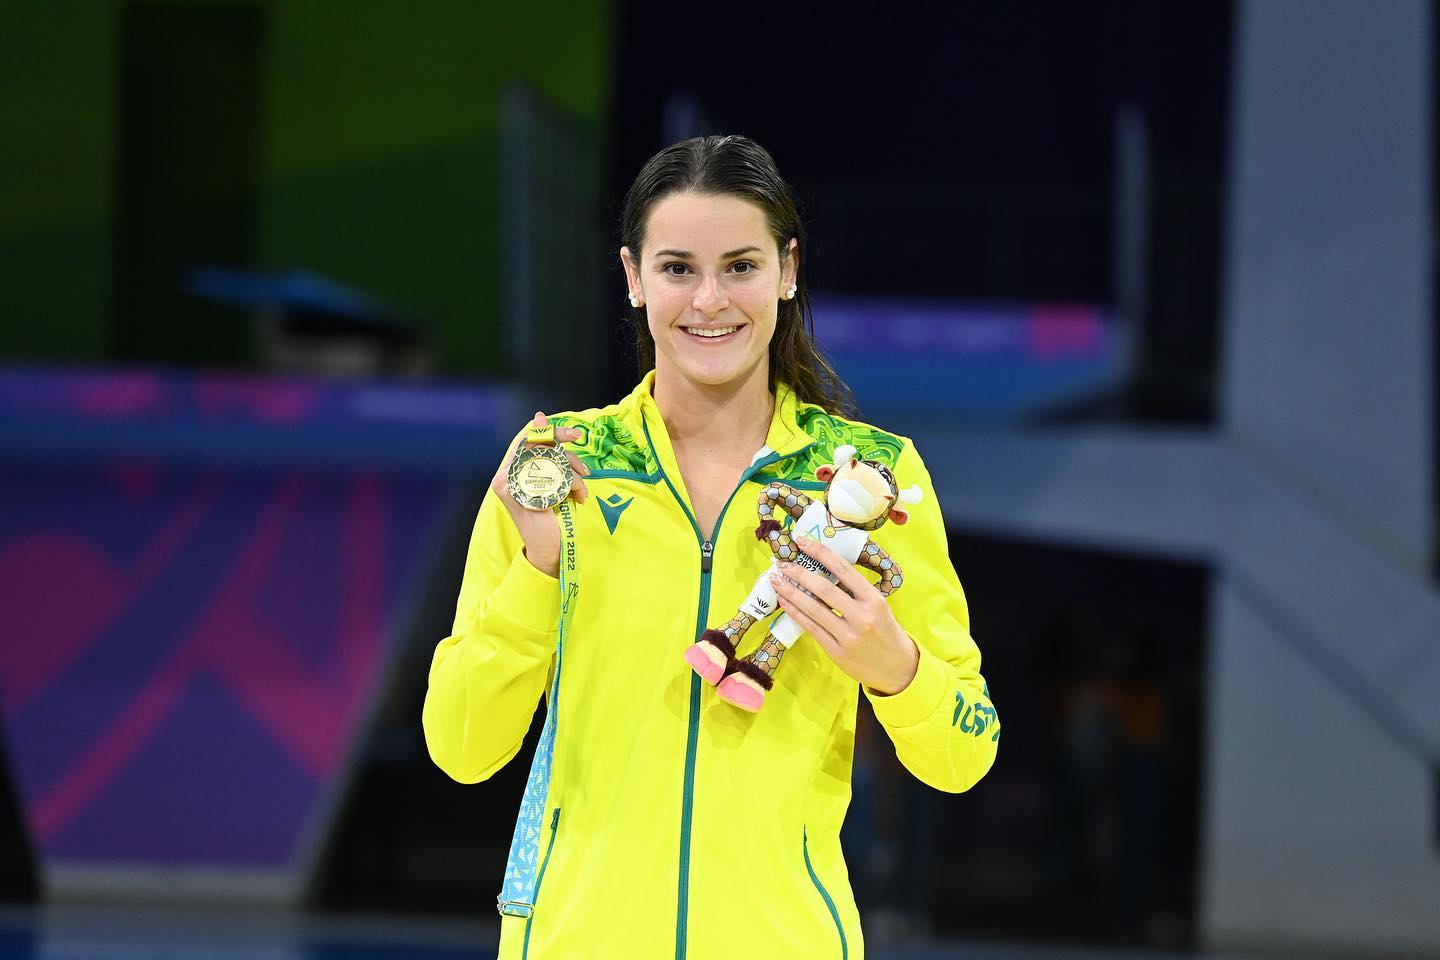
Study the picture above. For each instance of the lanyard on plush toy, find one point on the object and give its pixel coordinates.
(517, 892)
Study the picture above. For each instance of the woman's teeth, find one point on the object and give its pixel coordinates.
(711, 332)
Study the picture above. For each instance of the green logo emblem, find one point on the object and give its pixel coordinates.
(611, 508)
(975, 718)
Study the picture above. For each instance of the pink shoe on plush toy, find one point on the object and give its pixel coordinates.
(706, 661)
(710, 655)
(741, 691)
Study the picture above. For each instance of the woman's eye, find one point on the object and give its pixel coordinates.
(678, 269)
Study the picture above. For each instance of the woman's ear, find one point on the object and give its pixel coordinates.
(791, 268)
(632, 273)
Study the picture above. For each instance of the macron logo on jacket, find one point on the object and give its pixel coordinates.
(611, 508)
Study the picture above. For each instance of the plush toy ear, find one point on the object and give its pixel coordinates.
(842, 453)
(824, 473)
(898, 516)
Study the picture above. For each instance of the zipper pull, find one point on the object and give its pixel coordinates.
(707, 550)
(555, 820)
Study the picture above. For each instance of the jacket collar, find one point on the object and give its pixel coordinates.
(784, 437)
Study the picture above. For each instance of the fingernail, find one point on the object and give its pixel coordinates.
(805, 540)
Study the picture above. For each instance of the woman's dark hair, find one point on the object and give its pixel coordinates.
(737, 166)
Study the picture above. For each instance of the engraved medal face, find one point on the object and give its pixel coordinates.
(540, 477)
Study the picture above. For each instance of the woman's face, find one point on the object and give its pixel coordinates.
(710, 266)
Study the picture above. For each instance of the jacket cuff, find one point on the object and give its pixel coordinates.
(528, 598)
(920, 699)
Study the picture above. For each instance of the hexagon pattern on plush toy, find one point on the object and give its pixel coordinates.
(868, 498)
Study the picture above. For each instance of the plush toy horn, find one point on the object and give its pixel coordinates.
(842, 453)
(912, 494)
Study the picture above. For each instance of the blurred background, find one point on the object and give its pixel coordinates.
(1154, 285)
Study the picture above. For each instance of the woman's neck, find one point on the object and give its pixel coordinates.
(711, 418)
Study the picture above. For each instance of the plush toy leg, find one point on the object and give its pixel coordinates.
(745, 686)
(753, 675)
(712, 655)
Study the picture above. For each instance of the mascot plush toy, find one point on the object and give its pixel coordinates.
(860, 496)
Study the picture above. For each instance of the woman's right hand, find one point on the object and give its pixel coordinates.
(540, 529)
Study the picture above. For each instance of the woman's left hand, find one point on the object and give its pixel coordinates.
(859, 632)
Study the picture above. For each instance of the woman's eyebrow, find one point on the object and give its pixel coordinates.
(687, 255)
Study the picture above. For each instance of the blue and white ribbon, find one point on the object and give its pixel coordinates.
(517, 893)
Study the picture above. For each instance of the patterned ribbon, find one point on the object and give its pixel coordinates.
(517, 893)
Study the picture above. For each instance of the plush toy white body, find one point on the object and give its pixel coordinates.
(846, 541)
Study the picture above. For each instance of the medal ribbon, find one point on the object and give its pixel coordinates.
(517, 893)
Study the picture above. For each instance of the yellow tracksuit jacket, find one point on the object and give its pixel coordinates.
(678, 826)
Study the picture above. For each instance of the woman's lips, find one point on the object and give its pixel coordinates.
(723, 338)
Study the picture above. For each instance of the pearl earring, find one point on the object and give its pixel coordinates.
(790, 294)
(634, 300)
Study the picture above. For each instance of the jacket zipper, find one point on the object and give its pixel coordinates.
(692, 738)
(825, 895)
(554, 825)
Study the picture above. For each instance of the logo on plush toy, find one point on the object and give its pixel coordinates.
(860, 496)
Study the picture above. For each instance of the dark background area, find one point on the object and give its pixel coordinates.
(973, 159)
(188, 156)
(17, 867)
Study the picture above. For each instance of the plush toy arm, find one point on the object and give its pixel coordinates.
(873, 555)
(778, 497)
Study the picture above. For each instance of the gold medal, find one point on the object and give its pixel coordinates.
(539, 477)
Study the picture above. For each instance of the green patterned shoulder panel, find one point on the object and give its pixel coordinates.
(829, 432)
(609, 446)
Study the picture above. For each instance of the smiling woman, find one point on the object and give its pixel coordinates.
(711, 308)
(712, 238)
(693, 828)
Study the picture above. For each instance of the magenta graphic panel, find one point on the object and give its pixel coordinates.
(187, 653)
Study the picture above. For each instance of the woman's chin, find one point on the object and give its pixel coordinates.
(712, 378)
(716, 374)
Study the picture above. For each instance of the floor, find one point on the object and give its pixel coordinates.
(111, 933)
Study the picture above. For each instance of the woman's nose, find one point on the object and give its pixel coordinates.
(710, 296)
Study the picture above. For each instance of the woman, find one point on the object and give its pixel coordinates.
(675, 824)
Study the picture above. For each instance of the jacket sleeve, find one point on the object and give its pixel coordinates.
(943, 725)
(488, 675)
